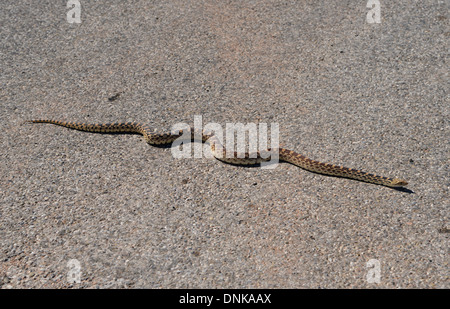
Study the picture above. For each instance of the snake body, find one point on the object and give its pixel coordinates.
(162, 138)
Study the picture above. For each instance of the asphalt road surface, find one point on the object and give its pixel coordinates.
(87, 210)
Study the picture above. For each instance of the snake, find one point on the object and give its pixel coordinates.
(154, 137)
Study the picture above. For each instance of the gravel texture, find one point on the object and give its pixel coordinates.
(367, 96)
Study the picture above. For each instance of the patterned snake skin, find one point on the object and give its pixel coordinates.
(157, 138)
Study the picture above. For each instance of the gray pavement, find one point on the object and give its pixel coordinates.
(372, 96)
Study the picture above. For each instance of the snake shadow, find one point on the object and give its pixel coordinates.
(166, 146)
(162, 146)
(400, 189)
(403, 189)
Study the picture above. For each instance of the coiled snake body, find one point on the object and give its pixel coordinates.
(156, 138)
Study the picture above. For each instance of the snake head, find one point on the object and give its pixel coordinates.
(398, 183)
